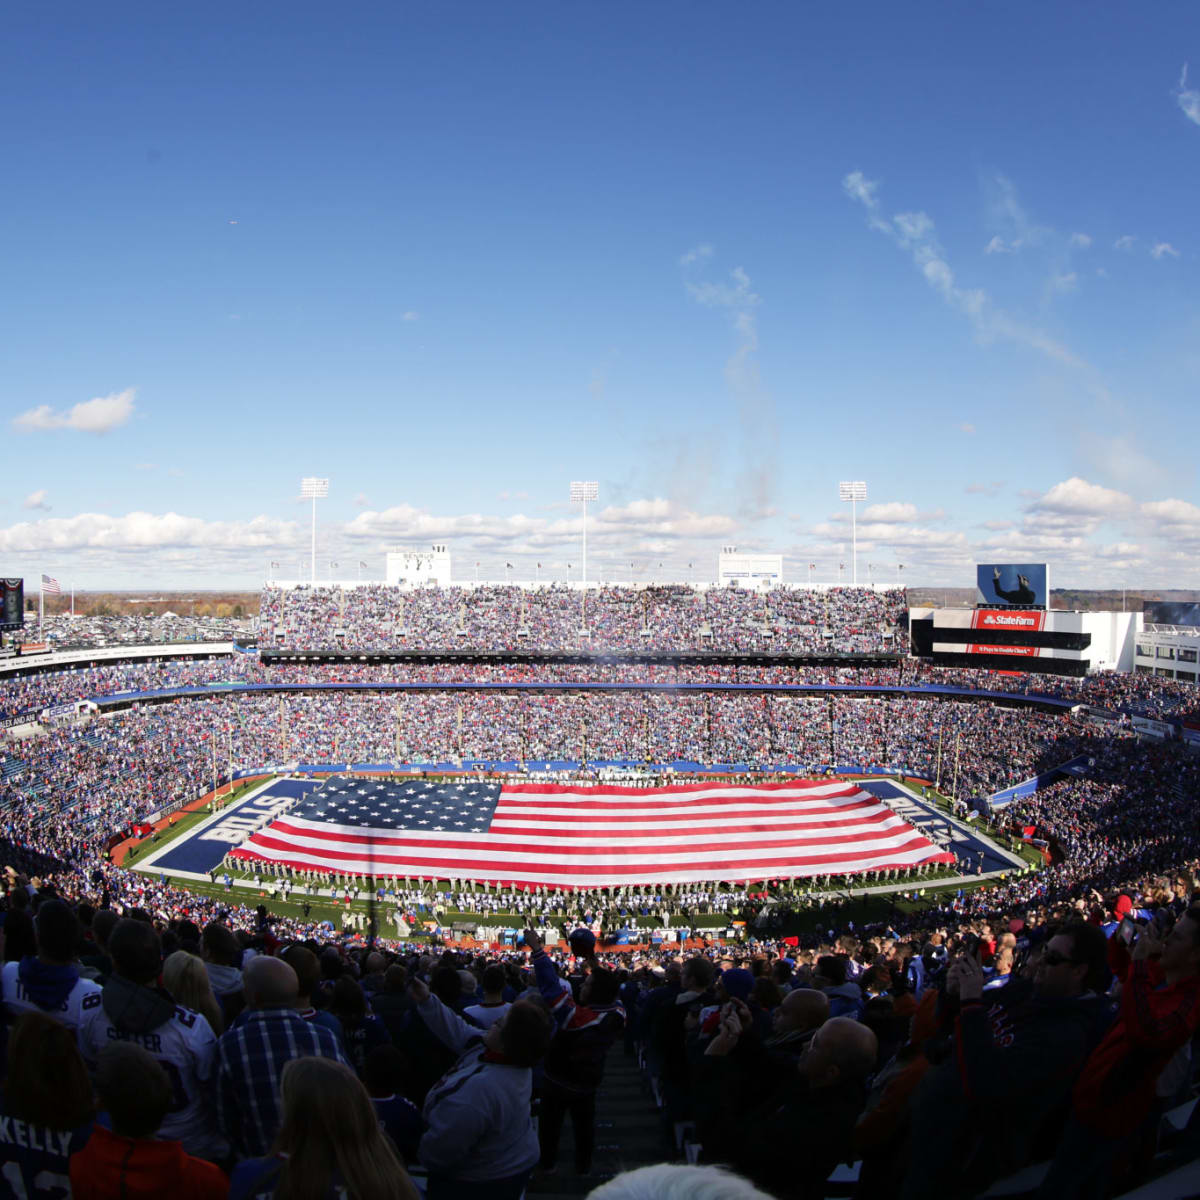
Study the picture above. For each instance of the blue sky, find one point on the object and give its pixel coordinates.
(716, 257)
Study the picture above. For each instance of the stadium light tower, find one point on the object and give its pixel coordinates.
(854, 492)
(581, 493)
(314, 490)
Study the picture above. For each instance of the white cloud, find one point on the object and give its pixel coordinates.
(892, 511)
(998, 246)
(411, 315)
(1187, 98)
(1078, 497)
(1162, 250)
(696, 254)
(143, 531)
(37, 500)
(984, 489)
(1081, 241)
(615, 526)
(1065, 282)
(1124, 242)
(361, 500)
(98, 415)
(914, 232)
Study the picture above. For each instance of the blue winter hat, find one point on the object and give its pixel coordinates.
(737, 982)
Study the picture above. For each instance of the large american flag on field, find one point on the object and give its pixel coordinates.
(590, 836)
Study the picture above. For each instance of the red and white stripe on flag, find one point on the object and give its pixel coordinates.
(51, 585)
(599, 836)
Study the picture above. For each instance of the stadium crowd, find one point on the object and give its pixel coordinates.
(199, 1043)
(556, 618)
(152, 1047)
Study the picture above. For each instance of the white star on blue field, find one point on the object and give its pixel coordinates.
(403, 805)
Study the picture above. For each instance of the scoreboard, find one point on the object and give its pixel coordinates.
(12, 604)
(1005, 639)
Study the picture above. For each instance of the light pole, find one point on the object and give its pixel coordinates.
(854, 491)
(581, 493)
(314, 489)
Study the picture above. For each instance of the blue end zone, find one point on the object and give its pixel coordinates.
(928, 818)
(202, 849)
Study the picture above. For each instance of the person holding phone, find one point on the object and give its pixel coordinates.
(1017, 1050)
(1160, 1012)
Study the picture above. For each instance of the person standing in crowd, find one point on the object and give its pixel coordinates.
(479, 1142)
(493, 1006)
(584, 1032)
(1016, 1053)
(1114, 1095)
(46, 1089)
(49, 981)
(128, 1161)
(789, 1139)
(251, 1056)
(132, 1007)
(330, 1143)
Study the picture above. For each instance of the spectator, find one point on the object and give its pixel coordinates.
(362, 1030)
(493, 1006)
(48, 1089)
(128, 1162)
(184, 976)
(49, 981)
(1114, 1094)
(384, 1075)
(223, 962)
(131, 1007)
(479, 1142)
(391, 1003)
(584, 1032)
(329, 1142)
(251, 1055)
(789, 1140)
(671, 1181)
(308, 975)
(1016, 1052)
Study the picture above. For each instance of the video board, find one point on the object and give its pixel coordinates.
(1171, 612)
(1023, 585)
(12, 603)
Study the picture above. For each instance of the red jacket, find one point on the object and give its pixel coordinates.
(111, 1167)
(1115, 1090)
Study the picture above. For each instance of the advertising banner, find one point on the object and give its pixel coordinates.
(1012, 583)
(1152, 728)
(35, 648)
(1015, 622)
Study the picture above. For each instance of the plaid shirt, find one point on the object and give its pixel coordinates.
(250, 1061)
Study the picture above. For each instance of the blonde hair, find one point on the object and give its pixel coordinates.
(185, 977)
(330, 1125)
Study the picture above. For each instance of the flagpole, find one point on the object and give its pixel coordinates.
(41, 603)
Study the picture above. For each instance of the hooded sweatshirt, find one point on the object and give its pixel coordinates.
(1014, 1060)
(52, 988)
(137, 1168)
(181, 1040)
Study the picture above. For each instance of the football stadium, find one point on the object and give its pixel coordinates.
(794, 787)
(600, 601)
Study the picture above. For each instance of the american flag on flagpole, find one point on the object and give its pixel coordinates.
(561, 836)
(51, 586)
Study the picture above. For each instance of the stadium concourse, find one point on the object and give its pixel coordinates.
(1029, 1028)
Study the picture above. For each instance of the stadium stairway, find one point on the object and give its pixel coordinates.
(628, 1134)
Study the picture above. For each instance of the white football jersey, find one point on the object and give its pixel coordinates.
(18, 1001)
(186, 1048)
